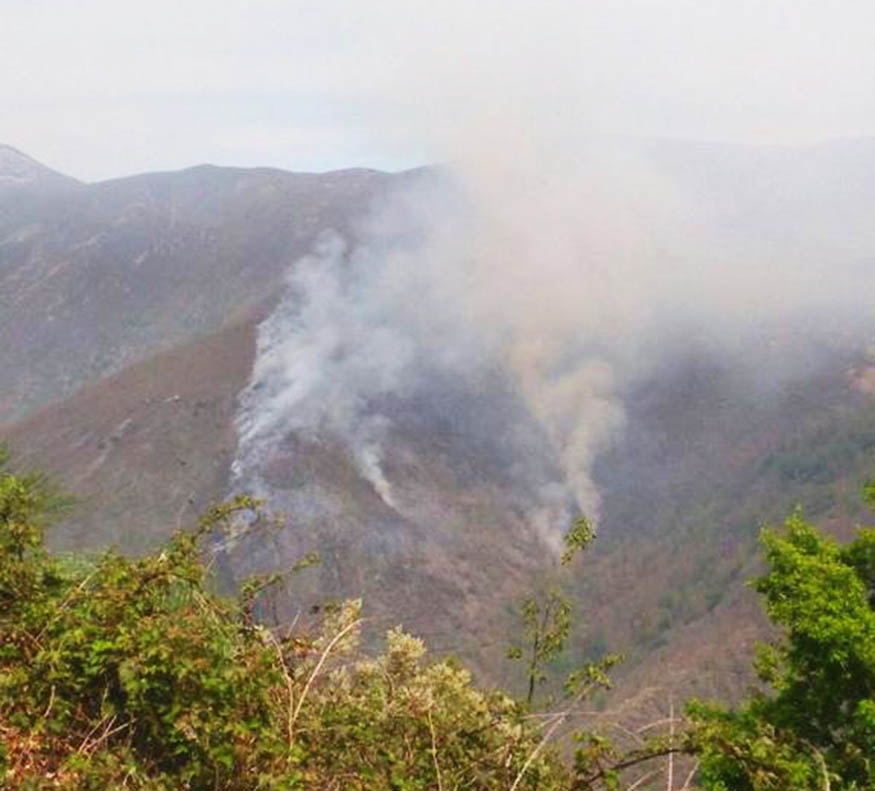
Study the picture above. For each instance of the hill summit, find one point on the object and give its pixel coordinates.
(17, 169)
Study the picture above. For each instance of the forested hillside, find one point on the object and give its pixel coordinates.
(121, 672)
(135, 313)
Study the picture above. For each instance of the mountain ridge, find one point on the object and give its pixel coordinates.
(96, 278)
(18, 170)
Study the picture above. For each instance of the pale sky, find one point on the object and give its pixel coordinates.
(103, 88)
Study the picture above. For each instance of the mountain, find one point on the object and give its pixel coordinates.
(96, 278)
(18, 171)
(134, 313)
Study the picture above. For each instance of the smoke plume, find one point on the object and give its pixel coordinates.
(573, 265)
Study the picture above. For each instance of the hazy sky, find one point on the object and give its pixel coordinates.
(99, 88)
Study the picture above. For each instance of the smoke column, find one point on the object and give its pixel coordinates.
(575, 265)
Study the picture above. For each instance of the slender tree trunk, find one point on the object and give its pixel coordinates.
(669, 782)
(533, 670)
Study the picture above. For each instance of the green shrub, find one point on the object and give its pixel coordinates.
(129, 673)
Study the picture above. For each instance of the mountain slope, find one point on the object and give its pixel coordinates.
(104, 275)
(129, 312)
(149, 448)
(19, 171)
(145, 450)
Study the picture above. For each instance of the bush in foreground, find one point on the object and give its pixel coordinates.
(131, 673)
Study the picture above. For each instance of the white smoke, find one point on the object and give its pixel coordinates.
(574, 283)
(570, 263)
(322, 356)
(438, 288)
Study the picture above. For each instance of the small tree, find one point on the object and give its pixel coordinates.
(600, 762)
(546, 615)
(813, 725)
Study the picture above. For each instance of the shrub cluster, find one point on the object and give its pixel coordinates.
(132, 673)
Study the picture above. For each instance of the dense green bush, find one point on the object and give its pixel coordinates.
(130, 673)
(812, 726)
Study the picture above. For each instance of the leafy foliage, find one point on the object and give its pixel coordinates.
(576, 540)
(546, 618)
(131, 673)
(814, 724)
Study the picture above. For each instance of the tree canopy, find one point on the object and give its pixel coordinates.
(812, 724)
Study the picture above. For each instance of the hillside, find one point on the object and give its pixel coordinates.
(145, 449)
(130, 312)
(19, 172)
(96, 277)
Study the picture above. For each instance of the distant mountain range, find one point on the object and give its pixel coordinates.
(128, 316)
